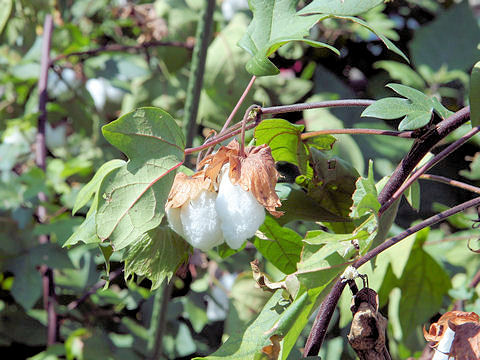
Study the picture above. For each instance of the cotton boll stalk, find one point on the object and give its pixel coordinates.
(200, 222)
(240, 213)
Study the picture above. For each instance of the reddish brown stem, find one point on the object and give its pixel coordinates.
(401, 134)
(239, 103)
(419, 149)
(122, 48)
(437, 158)
(320, 325)
(48, 283)
(445, 180)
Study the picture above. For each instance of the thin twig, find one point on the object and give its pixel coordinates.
(315, 105)
(320, 325)
(159, 319)
(401, 134)
(419, 149)
(99, 284)
(48, 282)
(445, 180)
(197, 70)
(233, 130)
(440, 156)
(121, 48)
(239, 103)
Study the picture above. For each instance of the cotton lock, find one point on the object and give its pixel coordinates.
(226, 201)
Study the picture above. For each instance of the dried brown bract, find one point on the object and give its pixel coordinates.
(254, 172)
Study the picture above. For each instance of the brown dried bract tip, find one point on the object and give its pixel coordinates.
(186, 188)
(254, 172)
(437, 330)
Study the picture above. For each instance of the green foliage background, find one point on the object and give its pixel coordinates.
(94, 240)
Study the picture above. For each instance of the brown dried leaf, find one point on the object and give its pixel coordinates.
(466, 344)
(263, 281)
(254, 172)
(273, 351)
(186, 188)
(437, 330)
(215, 162)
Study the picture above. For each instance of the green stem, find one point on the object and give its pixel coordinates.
(197, 69)
(158, 320)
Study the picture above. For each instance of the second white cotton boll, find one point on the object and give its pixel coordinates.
(200, 223)
(240, 213)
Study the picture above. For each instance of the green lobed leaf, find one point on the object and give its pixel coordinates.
(86, 232)
(437, 44)
(474, 95)
(417, 108)
(337, 7)
(332, 184)
(423, 283)
(401, 72)
(278, 316)
(279, 245)
(156, 255)
(284, 140)
(274, 24)
(133, 196)
(91, 188)
(389, 44)
(412, 194)
(297, 205)
(320, 264)
(365, 195)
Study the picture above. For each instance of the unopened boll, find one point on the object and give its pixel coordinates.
(240, 213)
(197, 221)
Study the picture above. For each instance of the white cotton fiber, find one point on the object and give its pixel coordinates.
(173, 217)
(240, 213)
(201, 225)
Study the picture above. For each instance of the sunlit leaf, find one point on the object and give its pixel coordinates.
(156, 255)
(337, 7)
(279, 245)
(274, 24)
(284, 140)
(417, 109)
(93, 185)
(133, 196)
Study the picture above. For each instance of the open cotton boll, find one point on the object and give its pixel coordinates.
(174, 220)
(200, 222)
(240, 213)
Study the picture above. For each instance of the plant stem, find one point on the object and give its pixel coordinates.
(48, 283)
(402, 134)
(440, 156)
(419, 149)
(74, 304)
(233, 130)
(315, 105)
(197, 70)
(158, 320)
(451, 182)
(320, 325)
(239, 103)
(121, 48)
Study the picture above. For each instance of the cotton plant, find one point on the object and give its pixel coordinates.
(225, 200)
